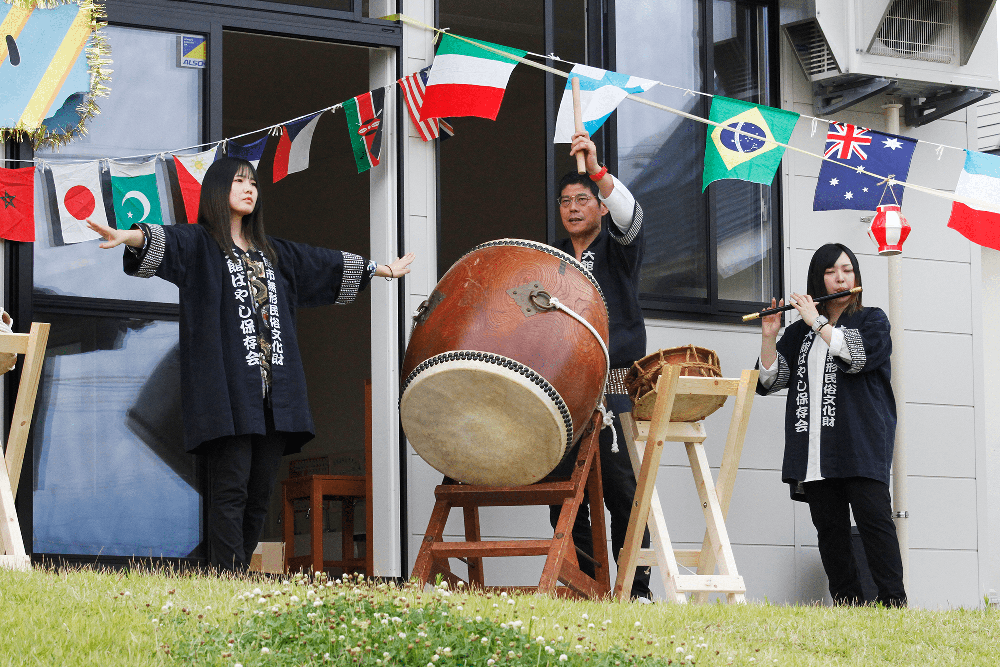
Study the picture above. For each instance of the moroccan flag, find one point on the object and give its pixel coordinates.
(292, 154)
(863, 152)
(17, 204)
(414, 88)
(364, 125)
(753, 156)
(251, 152)
(600, 94)
(190, 173)
(980, 179)
(467, 80)
(79, 196)
(136, 196)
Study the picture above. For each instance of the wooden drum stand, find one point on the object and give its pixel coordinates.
(32, 346)
(644, 440)
(561, 564)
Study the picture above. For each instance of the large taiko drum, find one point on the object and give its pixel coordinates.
(497, 386)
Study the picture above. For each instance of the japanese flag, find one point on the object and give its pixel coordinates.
(79, 196)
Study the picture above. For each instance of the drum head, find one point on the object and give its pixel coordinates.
(484, 423)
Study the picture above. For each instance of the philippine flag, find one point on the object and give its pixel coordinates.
(292, 154)
(980, 180)
(600, 94)
(190, 174)
(79, 196)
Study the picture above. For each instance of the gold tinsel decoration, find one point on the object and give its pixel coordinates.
(98, 52)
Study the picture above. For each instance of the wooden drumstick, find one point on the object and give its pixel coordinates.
(581, 162)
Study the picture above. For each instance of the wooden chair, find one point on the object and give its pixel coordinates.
(345, 488)
(32, 346)
(645, 440)
(561, 563)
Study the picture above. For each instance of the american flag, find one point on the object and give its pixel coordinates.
(413, 92)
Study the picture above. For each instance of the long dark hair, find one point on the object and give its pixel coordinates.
(214, 213)
(822, 260)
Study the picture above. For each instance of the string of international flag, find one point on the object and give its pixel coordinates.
(134, 189)
(469, 77)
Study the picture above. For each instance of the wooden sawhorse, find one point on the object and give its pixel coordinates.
(644, 440)
(561, 563)
(32, 346)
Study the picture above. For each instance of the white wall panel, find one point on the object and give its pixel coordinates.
(949, 382)
(761, 512)
(810, 577)
(937, 296)
(943, 513)
(942, 440)
(944, 579)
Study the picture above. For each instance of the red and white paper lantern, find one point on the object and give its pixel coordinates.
(888, 230)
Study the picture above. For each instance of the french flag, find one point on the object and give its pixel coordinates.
(980, 180)
(293, 147)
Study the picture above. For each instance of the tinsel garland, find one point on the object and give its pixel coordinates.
(98, 53)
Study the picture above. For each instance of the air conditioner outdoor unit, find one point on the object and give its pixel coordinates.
(938, 55)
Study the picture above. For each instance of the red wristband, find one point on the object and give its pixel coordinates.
(599, 175)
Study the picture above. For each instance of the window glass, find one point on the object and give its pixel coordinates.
(742, 210)
(155, 105)
(660, 154)
(110, 473)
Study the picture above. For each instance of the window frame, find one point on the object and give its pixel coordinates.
(712, 308)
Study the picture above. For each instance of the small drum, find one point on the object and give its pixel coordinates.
(497, 385)
(642, 376)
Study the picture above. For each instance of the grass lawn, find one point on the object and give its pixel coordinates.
(87, 617)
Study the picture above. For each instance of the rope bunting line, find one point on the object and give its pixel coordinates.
(402, 18)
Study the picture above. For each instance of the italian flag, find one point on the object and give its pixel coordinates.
(468, 80)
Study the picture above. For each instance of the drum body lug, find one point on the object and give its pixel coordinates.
(532, 298)
(427, 307)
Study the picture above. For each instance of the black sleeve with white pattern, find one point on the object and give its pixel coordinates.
(784, 373)
(633, 230)
(856, 346)
(355, 269)
(143, 262)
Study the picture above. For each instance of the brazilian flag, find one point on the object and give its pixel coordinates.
(743, 146)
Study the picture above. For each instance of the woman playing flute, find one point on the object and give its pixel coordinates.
(840, 422)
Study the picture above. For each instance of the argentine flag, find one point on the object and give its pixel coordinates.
(600, 93)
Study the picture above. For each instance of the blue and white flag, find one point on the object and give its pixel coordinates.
(865, 152)
(600, 94)
(251, 152)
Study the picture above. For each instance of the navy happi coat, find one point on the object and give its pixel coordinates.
(221, 392)
(858, 425)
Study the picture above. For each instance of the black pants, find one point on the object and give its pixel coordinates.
(830, 503)
(242, 473)
(618, 485)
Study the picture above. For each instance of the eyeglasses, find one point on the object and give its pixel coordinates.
(581, 200)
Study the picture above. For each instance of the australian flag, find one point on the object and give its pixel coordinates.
(848, 187)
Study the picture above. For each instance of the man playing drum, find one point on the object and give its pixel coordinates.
(613, 254)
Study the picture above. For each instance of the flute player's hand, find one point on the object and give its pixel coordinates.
(771, 324)
(806, 307)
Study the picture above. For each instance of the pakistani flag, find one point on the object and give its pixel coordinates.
(137, 199)
(743, 145)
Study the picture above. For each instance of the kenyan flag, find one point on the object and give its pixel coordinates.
(364, 124)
